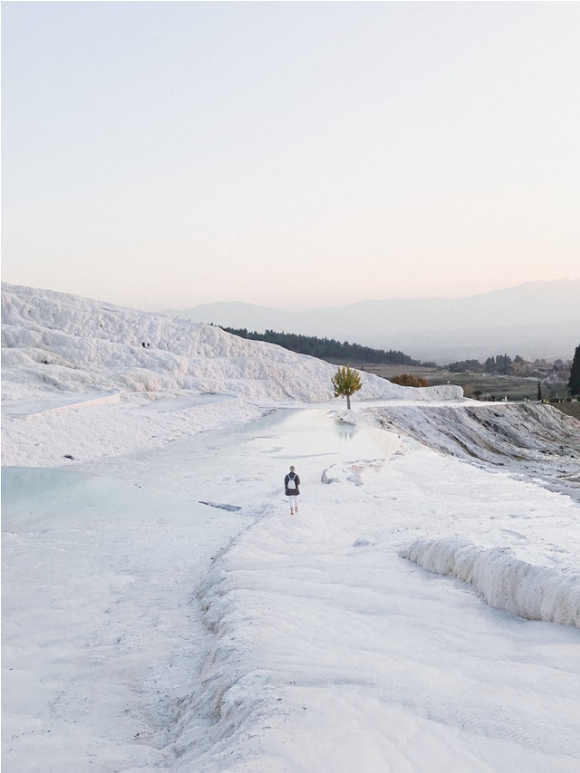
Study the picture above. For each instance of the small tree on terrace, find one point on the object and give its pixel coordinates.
(346, 382)
(574, 380)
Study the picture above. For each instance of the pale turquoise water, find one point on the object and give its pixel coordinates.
(240, 464)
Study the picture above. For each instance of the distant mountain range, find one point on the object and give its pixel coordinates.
(534, 320)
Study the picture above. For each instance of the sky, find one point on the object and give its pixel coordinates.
(293, 155)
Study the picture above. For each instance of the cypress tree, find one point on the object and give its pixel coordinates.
(574, 380)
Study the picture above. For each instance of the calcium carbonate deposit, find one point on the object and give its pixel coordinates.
(163, 611)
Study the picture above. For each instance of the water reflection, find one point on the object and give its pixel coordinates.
(345, 431)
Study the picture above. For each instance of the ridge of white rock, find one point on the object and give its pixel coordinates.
(70, 343)
(505, 581)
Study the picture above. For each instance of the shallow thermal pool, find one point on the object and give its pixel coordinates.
(258, 452)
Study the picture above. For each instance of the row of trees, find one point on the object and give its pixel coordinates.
(558, 378)
(346, 381)
(326, 348)
(501, 364)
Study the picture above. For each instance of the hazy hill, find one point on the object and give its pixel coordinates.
(536, 319)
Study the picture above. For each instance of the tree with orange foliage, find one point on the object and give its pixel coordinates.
(406, 379)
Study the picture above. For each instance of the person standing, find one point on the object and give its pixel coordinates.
(291, 484)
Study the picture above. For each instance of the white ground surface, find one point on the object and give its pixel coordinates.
(384, 628)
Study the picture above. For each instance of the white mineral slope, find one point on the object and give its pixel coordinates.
(504, 581)
(322, 650)
(145, 630)
(84, 344)
(332, 654)
(528, 439)
(99, 634)
(62, 351)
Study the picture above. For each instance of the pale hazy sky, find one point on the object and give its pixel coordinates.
(165, 154)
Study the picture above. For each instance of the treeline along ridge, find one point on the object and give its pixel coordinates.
(326, 348)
